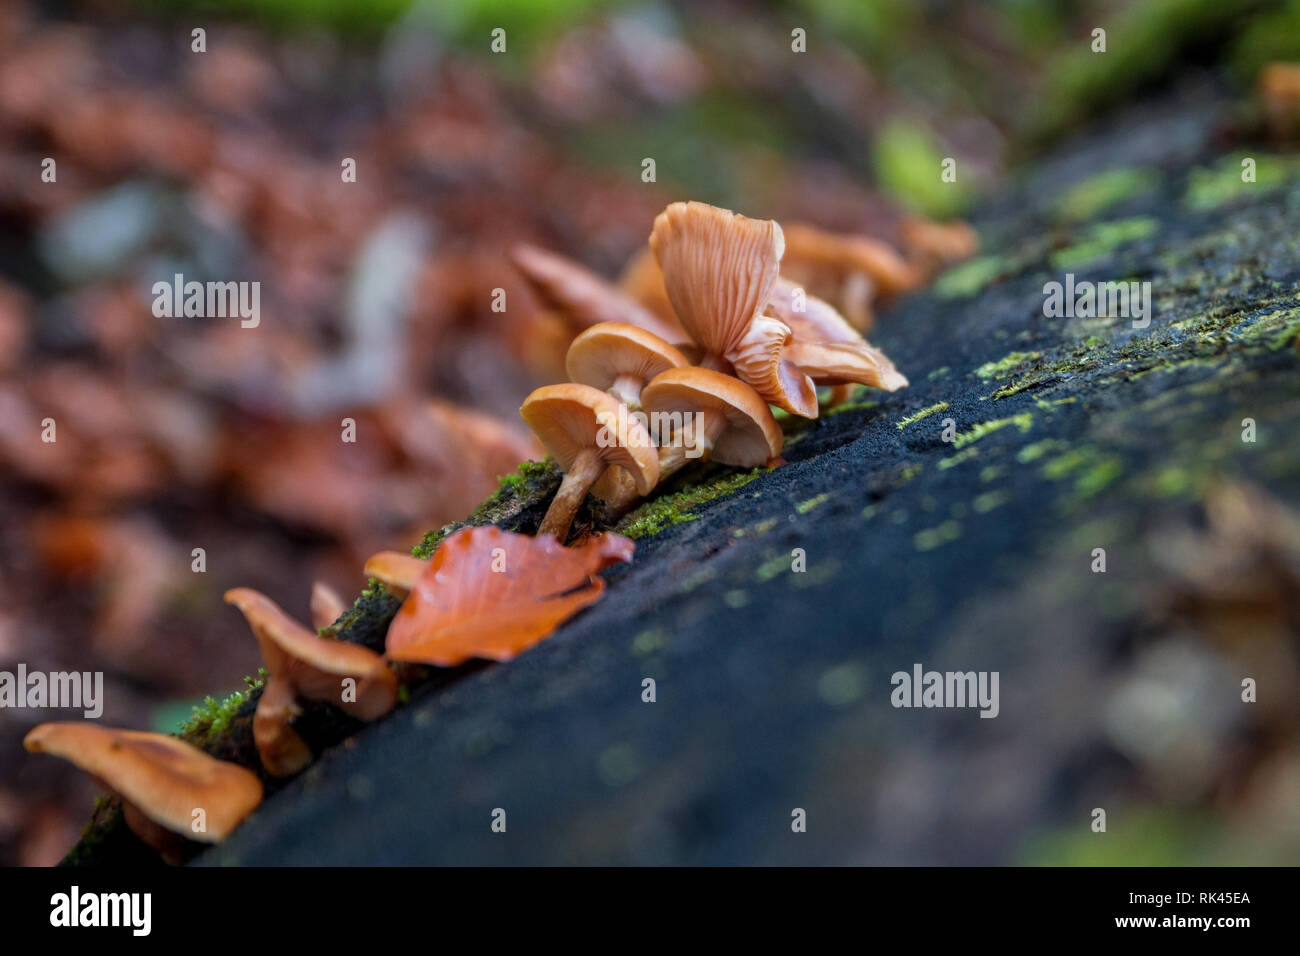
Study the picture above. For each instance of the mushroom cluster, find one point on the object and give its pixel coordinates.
(638, 407)
(485, 593)
(683, 362)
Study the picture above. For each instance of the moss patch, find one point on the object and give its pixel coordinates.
(667, 510)
(213, 716)
(923, 413)
(1102, 239)
(1221, 183)
(1098, 193)
(1024, 421)
(1004, 366)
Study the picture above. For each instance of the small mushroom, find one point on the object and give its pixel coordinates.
(162, 781)
(326, 605)
(735, 425)
(1279, 87)
(719, 269)
(582, 295)
(304, 665)
(395, 571)
(643, 280)
(619, 358)
(932, 245)
(587, 431)
(826, 348)
(808, 247)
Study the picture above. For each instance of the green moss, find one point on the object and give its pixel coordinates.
(818, 575)
(772, 567)
(668, 510)
(923, 413)
(908, 162)
(952, 461)
(804, 507)
(989, 500)
(1102, 239)
(1149, 837)
(735, 598)
(932, 538)
(969, 278)
(1098, 193)
(1098, 476)
(1038, 449)
(213, 716)
(1220, 183)
(649, 641)
(532, 481)
(1024, 421)
(1092, 471)
(1004, 366)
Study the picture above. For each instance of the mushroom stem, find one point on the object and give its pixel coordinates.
(627, 389)
(283, 752)
(582, 474)
(715, 363)
(704, 432)
(673, 458)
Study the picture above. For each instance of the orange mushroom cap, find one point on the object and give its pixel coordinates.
(579, 293)
(760, 359)
(610, 351)
(570, 418)
(718, 269)
(326, 605)
(395, 571)
(749, 435)
(809, 246)
(163, 778)
(303, 664)
(315, 664)
(825, 347)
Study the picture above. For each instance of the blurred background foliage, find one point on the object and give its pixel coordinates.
(1024, 66)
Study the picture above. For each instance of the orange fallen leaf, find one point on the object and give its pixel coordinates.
(492, 594)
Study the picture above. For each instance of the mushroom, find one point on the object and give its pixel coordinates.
(619, 358)
(851, 269)
(932, 245)
(162, 781)
(587, 431)
(734, 427)
(326, 605)
(719, 269)
(714, 417)
(395, 571)
(303, 664)
(1279, 87)
(643, 280)
(582, 295)
(825, 347)
(731, 422)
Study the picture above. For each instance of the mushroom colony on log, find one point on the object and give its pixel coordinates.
(682, 360)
